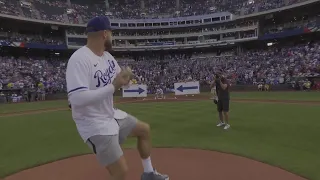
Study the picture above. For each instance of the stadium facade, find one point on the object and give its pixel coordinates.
(206, 32)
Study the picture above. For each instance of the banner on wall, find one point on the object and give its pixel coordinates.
(135, 90)
(185, 88)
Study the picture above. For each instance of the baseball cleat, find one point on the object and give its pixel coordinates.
(154, 176)
(220, 124)
(227, 126)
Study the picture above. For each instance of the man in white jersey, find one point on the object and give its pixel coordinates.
(159, 93)
(92, 77)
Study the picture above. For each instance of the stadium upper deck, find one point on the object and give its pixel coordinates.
(79, 11)
(223, 25)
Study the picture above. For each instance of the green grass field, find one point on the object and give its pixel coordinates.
(283, 135)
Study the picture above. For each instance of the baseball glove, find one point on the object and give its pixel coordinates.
(215, 101)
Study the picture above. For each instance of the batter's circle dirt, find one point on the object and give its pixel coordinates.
(179, 164)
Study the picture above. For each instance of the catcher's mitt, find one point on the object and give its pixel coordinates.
(215, 101)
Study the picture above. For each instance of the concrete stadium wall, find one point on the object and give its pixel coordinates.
(282, 87)
(203, 88)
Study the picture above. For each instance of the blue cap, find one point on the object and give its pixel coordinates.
(99, 23)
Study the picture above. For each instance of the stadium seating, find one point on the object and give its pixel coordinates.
(275, 66)
(77, 12)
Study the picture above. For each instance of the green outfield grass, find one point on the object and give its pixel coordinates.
(283, 135)
(294, 95)
(9, 108)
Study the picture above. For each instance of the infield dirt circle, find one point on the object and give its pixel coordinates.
(179, 164)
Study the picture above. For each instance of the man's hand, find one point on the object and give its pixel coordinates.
(123, 78)
(223, 86)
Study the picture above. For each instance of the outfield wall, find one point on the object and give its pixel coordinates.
(203, 89)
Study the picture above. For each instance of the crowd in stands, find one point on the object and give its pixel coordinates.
(272, 66)
(51, 10)
(23, 72)
(30, 38)
(311, 22)
(9, 7)
(77, 12)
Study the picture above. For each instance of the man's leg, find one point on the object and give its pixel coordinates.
(132, 127)
(226, 117)
(219, 109)
(142, 132)
(221, 117)
(225, 110)
(119, 169)
(109, 154)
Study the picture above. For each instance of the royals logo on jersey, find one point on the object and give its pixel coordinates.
(105, 77)
(86, 71)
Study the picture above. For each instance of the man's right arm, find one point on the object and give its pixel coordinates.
(78, 82)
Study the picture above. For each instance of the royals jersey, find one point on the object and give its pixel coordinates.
(87, 71)
(159, 91)
(119, 114)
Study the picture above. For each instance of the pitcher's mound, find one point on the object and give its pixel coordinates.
(179, 164)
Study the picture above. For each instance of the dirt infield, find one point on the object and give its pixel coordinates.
(180, 164)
